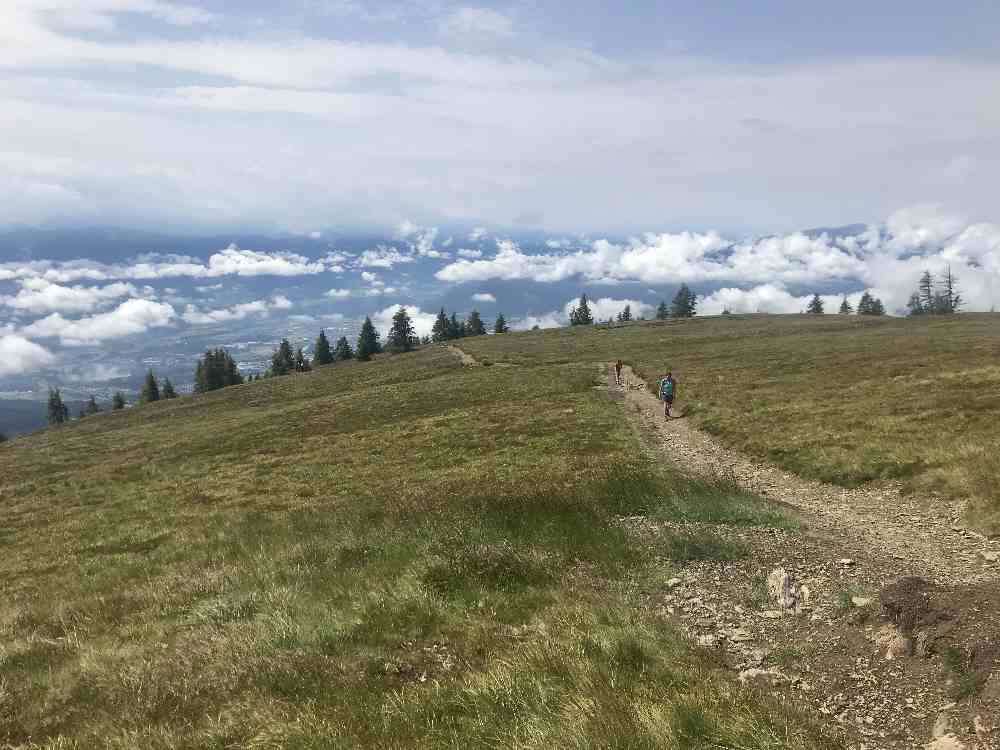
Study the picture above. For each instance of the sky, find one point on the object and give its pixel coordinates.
(499, 155)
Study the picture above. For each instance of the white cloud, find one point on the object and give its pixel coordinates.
(546, 320)
(484, 297)
(421, 239)
(18, 355)
(339, 293)
(423, 322)
(478, 234)
(370, 278)
(193, 316)
(469, 21)
(606, 307)
(208, 288)
(383, 257)
(38, 296)
(471, 254)
(130, 317)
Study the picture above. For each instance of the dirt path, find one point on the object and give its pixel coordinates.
(921, 538)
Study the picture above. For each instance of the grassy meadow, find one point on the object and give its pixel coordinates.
(396, 554)
(844, 399)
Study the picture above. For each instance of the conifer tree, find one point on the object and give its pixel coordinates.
(914, 305)
(815, 306)
(662, 311)
(343, 350)
(456, 329)
(441, 331)
(118, 402)
(474, 325)
(92, 407)
(167, 390)
(217, 369)
(283, 359)
(322, 353)
(58, 411)
(150, 389)
(949, 298)
(684, 304)
(401, 334)
(626, 314)
(845, 307)
(501, 325)
(368, 341)
(581, 315)
(877, 307)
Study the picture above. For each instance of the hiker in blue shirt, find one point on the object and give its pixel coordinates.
(668, 389)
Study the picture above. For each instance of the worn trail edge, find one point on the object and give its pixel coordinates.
(924, 538)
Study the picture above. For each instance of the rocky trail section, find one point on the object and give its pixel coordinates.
(880, 613)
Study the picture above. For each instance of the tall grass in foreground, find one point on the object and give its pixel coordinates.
(395, 554)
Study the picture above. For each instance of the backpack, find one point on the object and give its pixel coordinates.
(667, 388)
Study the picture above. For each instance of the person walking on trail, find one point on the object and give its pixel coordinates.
(668, 390)
(618, 372)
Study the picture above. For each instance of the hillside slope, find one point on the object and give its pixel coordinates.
(844, 399)
(391, 554)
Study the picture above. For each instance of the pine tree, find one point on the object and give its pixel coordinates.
(283, 359)
(581, 315)
(877, 307)
(58, 411)
(914, 305)
(167, 391)
(441, 331)
(301, 361)
(150, 389)
(368, 343)
(845, 307)
(343, 350)
(118, 402)
(456, 329)
(684, 304)
(925, 290)
(662, 311)
(474, 325)
(92, 407)
(322, 354)
(815, 306)
(626, 314)
(866, 303)
(501, 325)
(401, 334)
(217, 369)
(949, 298)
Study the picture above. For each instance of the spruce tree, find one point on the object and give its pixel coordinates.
(92, 407)
(662, 311)
(58, 411)
(877, 307)
(301, 361)
(626, 314)
(322, 353)
(474, 325)
(441, 331)
(866, 304)
(684, 304)
(167, 391)
(456, 329)
(343, 350)
(401, 334)
(501, 325)
(283, 359)
(581, 315)
(815, 306)
(949, 298)
(368, 344)
(118, 402)
(150, 389)
(845, 307)
(914, 305)
(217, 369)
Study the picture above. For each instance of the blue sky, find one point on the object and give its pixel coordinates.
(319, 114)
(310, 162)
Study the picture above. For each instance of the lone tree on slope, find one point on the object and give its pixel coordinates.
(441, 331)
(343, 350)
(118, 401)
(323, 354)
(625, 315)
(402, 335)
(217, 369)
(301, 361)
(581, 315)
(815, 306)
(474, 325)
(368, 343)
(845, 307)
(167, 390)
(92, 408)
(150, 389)
(501, 325)
(58, 411)
(662, 311)
(283, 359)
(685, 303)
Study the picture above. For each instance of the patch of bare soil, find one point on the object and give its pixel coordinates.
(882, 614)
